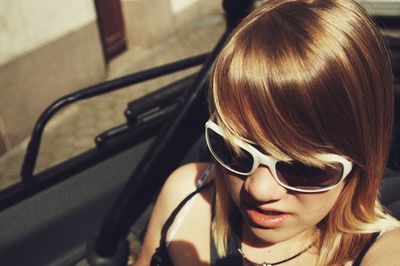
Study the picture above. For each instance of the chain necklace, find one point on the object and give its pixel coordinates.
(275, 263)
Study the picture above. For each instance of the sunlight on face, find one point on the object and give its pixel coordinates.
(274, 214)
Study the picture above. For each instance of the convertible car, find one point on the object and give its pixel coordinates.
(84, 210)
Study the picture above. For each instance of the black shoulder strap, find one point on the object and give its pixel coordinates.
(161, 257)
(171, 218)
(364, 250)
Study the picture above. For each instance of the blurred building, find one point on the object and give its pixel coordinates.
(51, 48)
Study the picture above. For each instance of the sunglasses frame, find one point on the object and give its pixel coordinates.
(260, 158)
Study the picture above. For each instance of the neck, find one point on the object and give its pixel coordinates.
(260, 251)
(270, 263)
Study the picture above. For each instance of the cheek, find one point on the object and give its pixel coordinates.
(317, 206)
(233, 186)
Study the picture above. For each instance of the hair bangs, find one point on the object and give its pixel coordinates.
(272, 101)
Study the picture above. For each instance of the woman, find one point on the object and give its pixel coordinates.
(302, 108)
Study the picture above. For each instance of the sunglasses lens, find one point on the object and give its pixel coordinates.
(298, 175)
(240, 161)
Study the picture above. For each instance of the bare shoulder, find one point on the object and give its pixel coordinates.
(178, 185)
(184, 179)
(385, 251)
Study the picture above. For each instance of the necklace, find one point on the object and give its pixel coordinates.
(275, 263)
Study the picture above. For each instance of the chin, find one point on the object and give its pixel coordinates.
(266, 236)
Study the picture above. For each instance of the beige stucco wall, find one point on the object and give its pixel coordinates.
(178, 6)
(148, 22)
(51, 48)
(27, 25)
(47, 49)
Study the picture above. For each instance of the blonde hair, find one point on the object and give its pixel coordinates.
(307, 77)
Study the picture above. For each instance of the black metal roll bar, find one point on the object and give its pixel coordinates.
(28, 166)
(173, 141)
(147, 113)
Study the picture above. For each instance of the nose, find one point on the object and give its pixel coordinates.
(262, 186)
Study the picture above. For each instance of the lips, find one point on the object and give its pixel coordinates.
(266, 218)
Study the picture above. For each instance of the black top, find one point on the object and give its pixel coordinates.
(233, 258)
(364, 250)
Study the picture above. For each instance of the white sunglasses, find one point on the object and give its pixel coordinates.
(292, 175)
